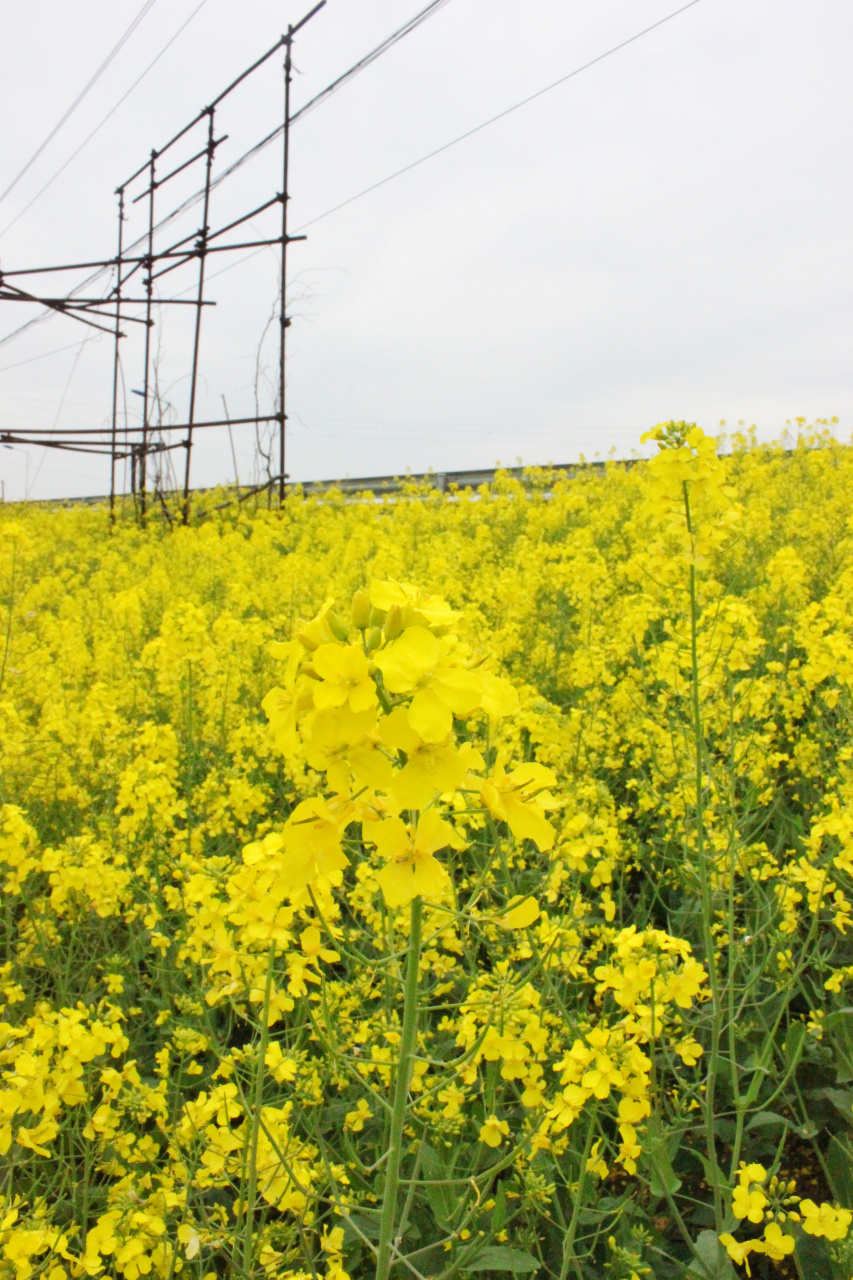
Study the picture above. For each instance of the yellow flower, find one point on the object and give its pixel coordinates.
(311, 941)
(418, 663)
(595, 1163)
(630, 1149)
(341, 743)
(431, 768)
(519, 799)
(775, 1243)
(33, 1138)
(748, 1204)
(354, 1120)
(345, 679)
(312, 844)
(493, 1131)
(602, 1076)
(411, 871)
(738, 1250)
(825, 1220)
(748, 1173)
(417, 606)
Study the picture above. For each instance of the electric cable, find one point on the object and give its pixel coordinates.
(81, 95)
(467, 134)
(390, 177)
(336, 84)
(43, 356)
(109, 114)
(501, 115)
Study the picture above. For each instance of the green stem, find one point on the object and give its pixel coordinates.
(569, 1259)
(8, 638)
(705, 888)
(408, 1043)
(257, 1104)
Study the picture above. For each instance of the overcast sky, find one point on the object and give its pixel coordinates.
(665, 235)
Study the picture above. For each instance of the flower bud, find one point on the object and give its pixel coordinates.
(361, 610)
(394, 622)
(374, 638)
(336, 625)
(377, 617)
(308, 640)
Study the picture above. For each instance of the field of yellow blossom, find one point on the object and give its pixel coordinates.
(444, 885)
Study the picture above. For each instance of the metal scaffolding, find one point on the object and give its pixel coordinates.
(137, 442)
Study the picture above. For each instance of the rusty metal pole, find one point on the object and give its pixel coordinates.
(284, 320)
(116, 358)
(149, 324)
(201, 245)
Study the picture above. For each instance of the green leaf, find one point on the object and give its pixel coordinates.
(502, 1257)
(499, 1211)
(839, 1028)
(842, 1100)
(839, 1166)
(661, 1151)
(712, 1262)
(768, 1120)
(794, 1044)
(441, 1199)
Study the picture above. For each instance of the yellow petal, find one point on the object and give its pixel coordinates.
(391, 837)
(405, 662)
(397, 883)
(430, 880)
(328, 695)
(521, 916)
(330, 661)
(430, 717)
(363, 695)
(396, 732)
(434, 833)
(526, 823)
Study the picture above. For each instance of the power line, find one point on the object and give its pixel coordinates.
(43, 356)
(399, 172)
(500, 116)
(461, 137)
(109, 114)
(81, 95)
(336, 84)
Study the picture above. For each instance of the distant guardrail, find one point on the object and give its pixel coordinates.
(440, 480)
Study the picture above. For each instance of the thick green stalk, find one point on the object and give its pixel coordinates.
(257, 1104)
(408, 1043)
(705, 890)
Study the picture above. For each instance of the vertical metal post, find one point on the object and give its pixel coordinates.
(201, 245)
(283, 318)
(149, 323)
(116, 356)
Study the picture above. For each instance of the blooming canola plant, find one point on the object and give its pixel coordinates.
(495, 919)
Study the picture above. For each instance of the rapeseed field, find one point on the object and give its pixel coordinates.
(436, 885)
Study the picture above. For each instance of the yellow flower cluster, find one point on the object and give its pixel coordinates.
(770, 1205)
